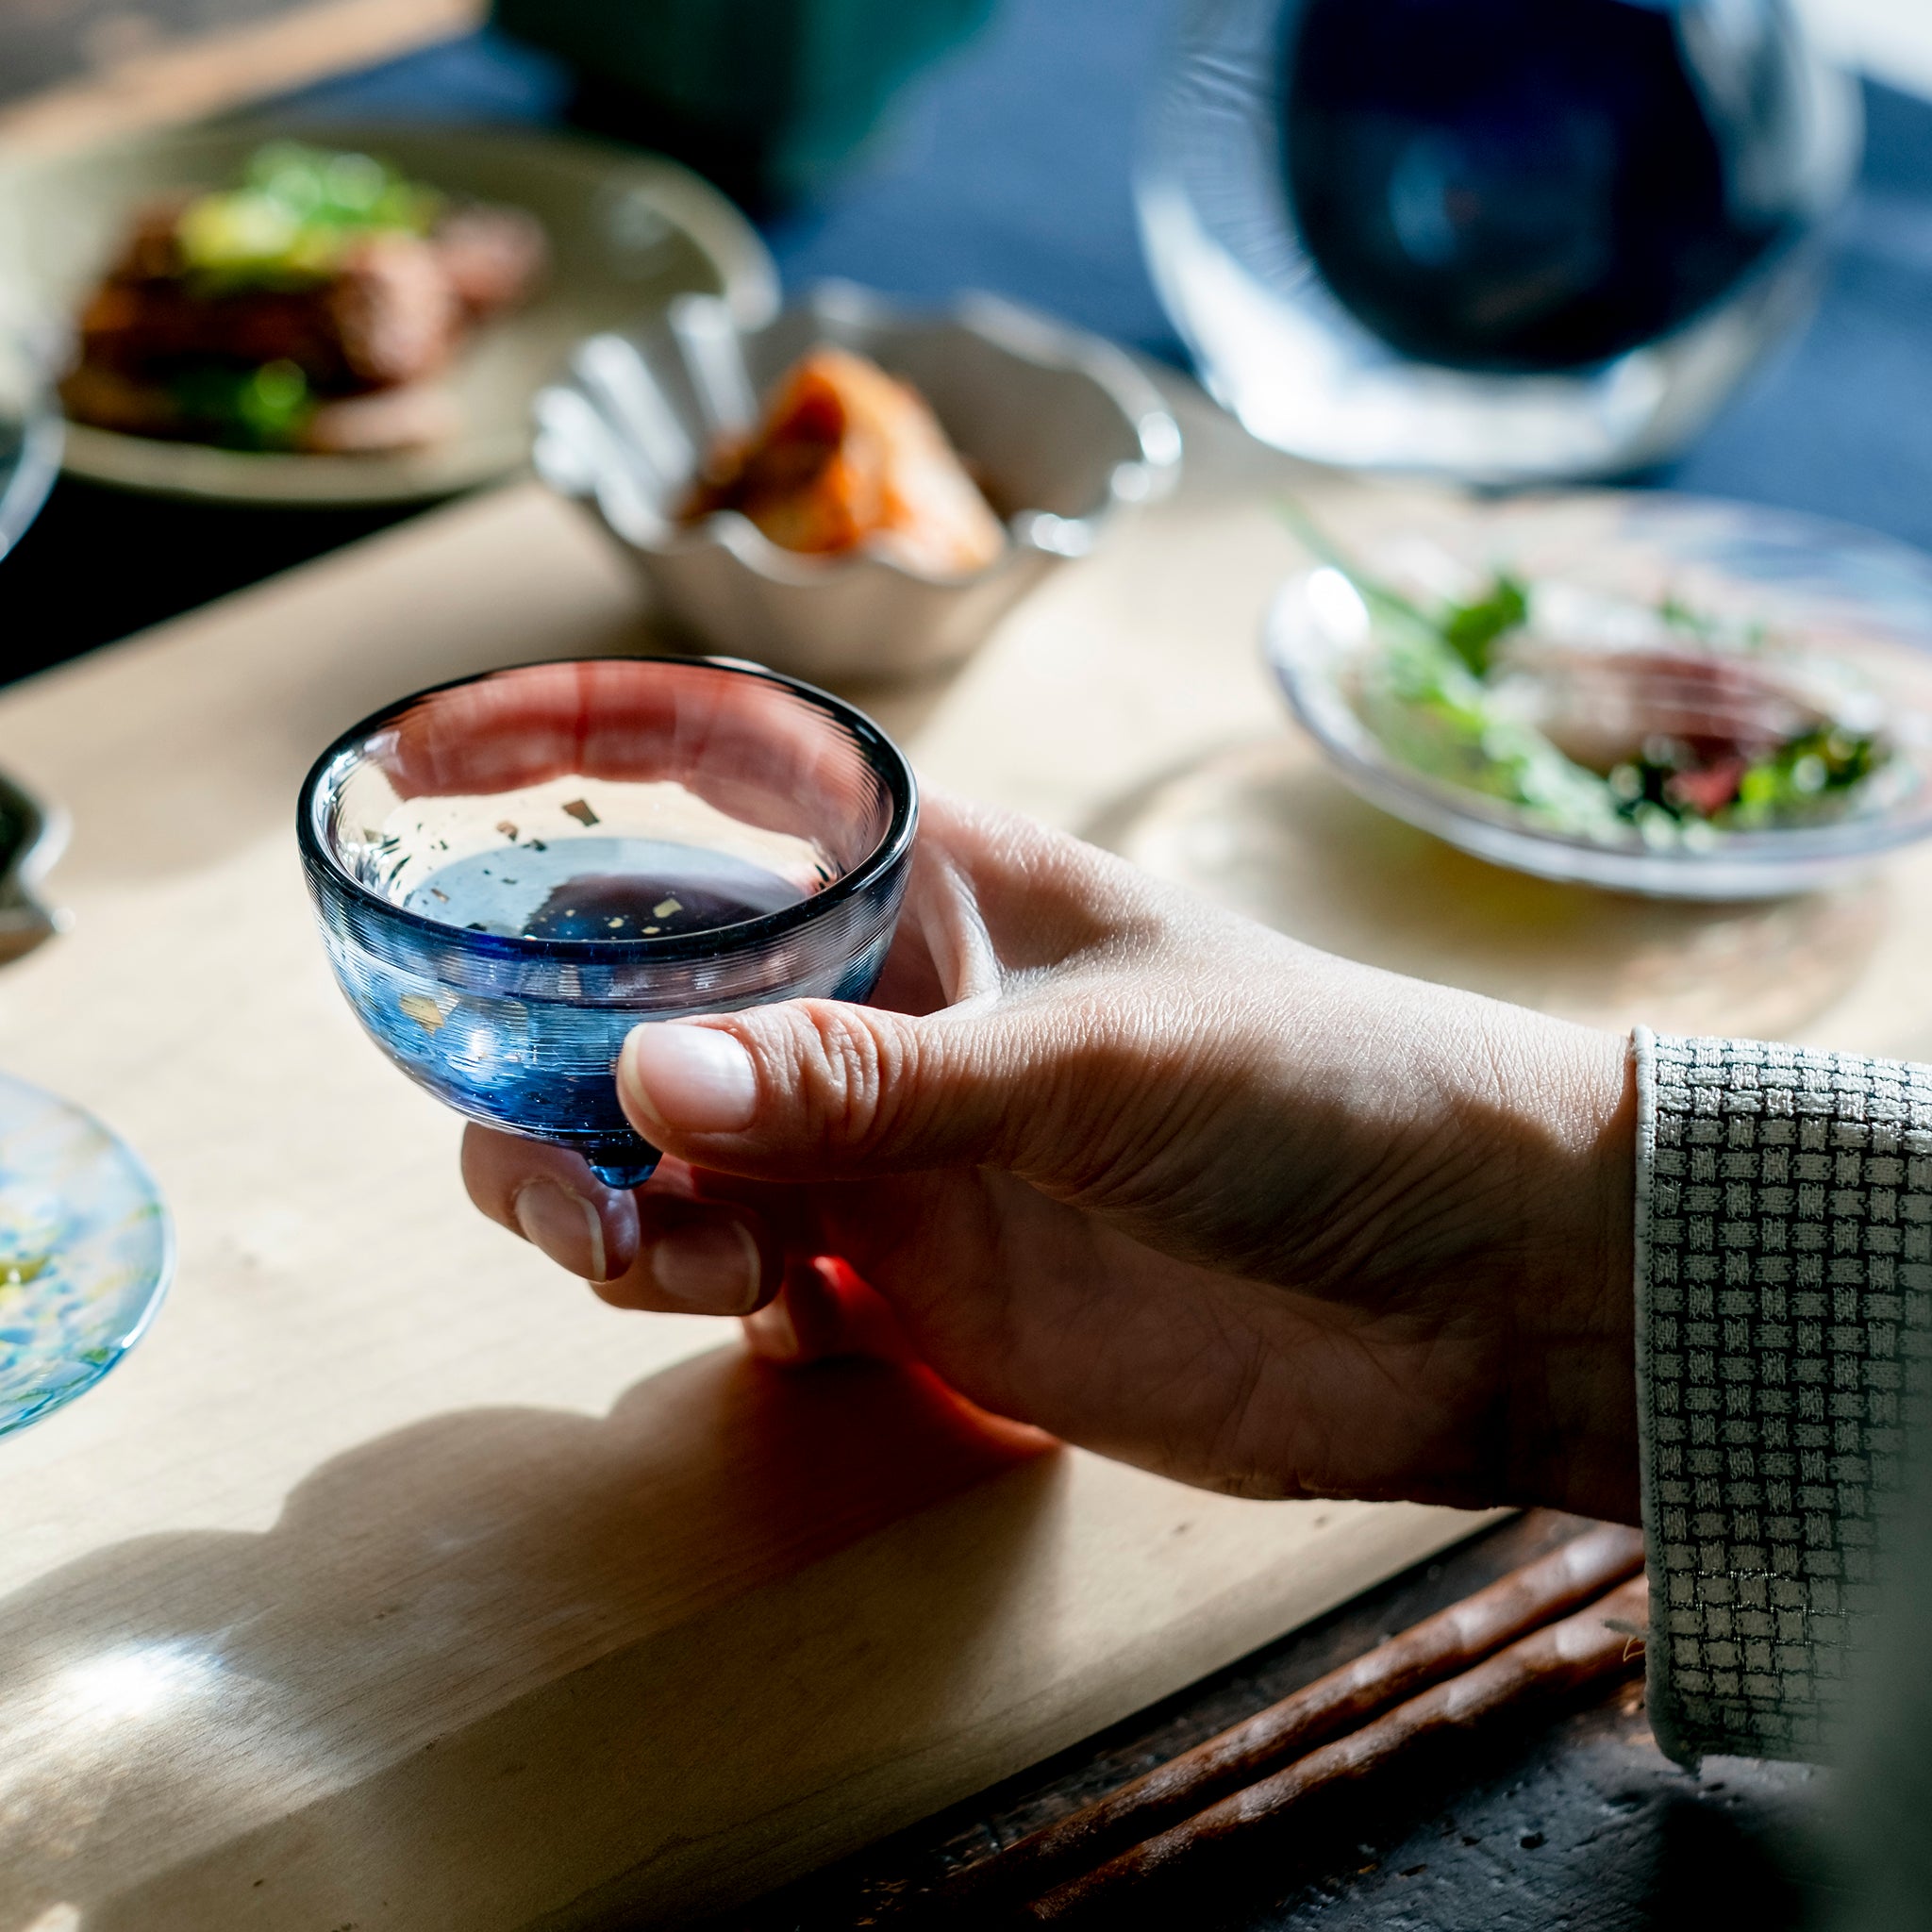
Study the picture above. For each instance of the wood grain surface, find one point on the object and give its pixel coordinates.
(393, 1581)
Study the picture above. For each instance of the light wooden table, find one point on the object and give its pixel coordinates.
(393, 1581)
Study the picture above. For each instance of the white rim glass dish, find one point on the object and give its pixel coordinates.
(1231, 258)
(30, 436)
(627, 232)
(86, 1252)
(1854, 603)
(1061, 429)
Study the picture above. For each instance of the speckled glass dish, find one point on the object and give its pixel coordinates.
(513, 871)
(86, 1252)
(1852, 604)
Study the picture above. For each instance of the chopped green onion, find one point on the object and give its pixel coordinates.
(295, 215)
(1472, 630)
(265, 408)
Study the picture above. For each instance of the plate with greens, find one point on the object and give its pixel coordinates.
(342, 314)
(1658, 694)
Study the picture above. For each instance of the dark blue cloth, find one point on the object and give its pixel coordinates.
(1839, 420)
(1005, 166)
(483, 76)
(1008, 167)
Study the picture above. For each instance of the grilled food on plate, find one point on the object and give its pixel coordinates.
(313, 307)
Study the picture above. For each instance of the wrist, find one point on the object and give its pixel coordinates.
(1572, 1431)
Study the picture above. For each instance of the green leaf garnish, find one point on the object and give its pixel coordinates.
(262, 407)
(1472, 630)
(1812, 771)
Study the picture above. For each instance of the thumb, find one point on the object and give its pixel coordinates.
(816, 1090)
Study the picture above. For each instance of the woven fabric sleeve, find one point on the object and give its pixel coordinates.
(1784, 1315)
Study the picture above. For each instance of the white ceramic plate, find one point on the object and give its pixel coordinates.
(627, 233)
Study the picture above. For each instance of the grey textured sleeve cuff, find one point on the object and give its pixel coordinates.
(1784, 1311)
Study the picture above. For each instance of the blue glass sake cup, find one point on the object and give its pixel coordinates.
(512, 871)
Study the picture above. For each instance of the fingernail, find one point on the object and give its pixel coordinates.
(566, 1227)
(710, 1267)
(694, 1079)
(773, 1334)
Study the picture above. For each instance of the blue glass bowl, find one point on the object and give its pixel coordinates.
(511, 872)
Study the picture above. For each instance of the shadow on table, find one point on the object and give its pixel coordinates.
(188, 758)
(488, 1662)
(1716, 1864)
(1261, 828)
(187, 755)
(101, 563)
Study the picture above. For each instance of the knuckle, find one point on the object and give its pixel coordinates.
(850, 1068)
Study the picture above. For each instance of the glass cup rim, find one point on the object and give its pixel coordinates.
(881, 753)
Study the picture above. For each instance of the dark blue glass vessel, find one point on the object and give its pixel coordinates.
(1509, 239)
(513, 871)
(1520, 185)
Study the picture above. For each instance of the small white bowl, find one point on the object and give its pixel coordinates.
(1060, 427)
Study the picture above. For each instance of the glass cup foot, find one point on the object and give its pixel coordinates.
(628, 1162)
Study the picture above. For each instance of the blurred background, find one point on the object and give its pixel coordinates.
(919, 146)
